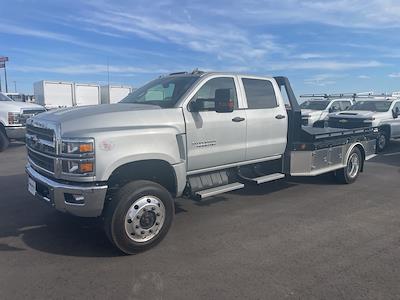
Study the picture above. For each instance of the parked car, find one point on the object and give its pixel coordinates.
(315, 112)
(13, 116)
(187, 134)
(371, 112)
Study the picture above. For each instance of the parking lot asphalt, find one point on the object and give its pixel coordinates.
(305, 238)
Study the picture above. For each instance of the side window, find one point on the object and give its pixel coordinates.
(205, 96)
(345, 105)
(259, 93)
(335, 106)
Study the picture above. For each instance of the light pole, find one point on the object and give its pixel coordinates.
(3, 60)
(15, 86)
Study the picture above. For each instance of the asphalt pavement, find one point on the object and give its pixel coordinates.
(305, 238)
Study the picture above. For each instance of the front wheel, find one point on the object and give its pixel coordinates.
(139, 216)
(4, 142)
(382, 141)
(350, 173)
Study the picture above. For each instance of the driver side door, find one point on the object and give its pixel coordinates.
(214, 139)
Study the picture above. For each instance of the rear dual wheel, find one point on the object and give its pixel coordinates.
(350, 173)
(139, 216)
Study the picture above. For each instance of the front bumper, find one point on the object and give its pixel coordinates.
(16, 132)
(59, 195)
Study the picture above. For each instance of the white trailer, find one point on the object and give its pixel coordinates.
(114, 93)
(87, 94)
(54, 94)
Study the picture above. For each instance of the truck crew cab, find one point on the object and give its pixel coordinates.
(13, 116)
(186, 134)
(383, 114)
(315, 110)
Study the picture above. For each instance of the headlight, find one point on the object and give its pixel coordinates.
(77, 147)
(78, 156)
(78, 167)
(14, 118)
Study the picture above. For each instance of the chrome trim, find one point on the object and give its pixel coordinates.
(94, 195)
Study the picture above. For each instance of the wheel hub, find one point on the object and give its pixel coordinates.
(353, 165)
(144, 218)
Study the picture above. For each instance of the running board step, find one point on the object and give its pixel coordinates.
(268, 178)
(219, 190)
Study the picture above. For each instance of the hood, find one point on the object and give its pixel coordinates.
(16, 106)
(353, 114)
(81, 121)
(311, 113)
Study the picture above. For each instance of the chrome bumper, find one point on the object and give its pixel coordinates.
(16, 132)
(90, 198)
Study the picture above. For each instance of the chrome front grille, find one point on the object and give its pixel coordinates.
(42, 147)
(42, 161)
(28, 113)
(41, 139)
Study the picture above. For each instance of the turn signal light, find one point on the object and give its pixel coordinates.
(86, 167)
(84, 148)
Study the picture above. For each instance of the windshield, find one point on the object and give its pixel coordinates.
(4, 97)
(377, 106)
(314, 105)
(164, 92)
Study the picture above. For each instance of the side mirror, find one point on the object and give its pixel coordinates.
(194, 106)
(395, 113)
(331, 109)
(223, 102)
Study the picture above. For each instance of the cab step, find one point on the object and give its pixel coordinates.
(219, 190)
(266, 178)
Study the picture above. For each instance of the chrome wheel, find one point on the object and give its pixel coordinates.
(144, 219)
(353, 165)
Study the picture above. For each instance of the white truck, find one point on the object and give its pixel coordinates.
(13, 116)
(114, 93)
(383, 114)
(57, 94)
(314, 112)
(194, 134)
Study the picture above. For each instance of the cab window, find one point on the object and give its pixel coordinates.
(260, 93)
(335, 106)
(205, 97)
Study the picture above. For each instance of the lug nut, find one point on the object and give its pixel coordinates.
(148, 200)
(129, 221)
(142, 232)
(153, 208)
(136, 207)
(151, 231)
(137, 226)
(132, 233)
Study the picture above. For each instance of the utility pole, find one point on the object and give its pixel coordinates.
(5, 77)
(3, 60)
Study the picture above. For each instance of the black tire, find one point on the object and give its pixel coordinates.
(319, 124)
(382, 141)
(4, 141)
(348, 175)
(116, 219)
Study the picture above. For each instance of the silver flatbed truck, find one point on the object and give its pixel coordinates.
(192, 134)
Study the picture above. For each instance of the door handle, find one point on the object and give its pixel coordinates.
(279, 117)
(238, 119)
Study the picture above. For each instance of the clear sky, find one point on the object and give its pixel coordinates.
(322, 46)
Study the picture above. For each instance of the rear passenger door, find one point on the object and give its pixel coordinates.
(266, 118)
